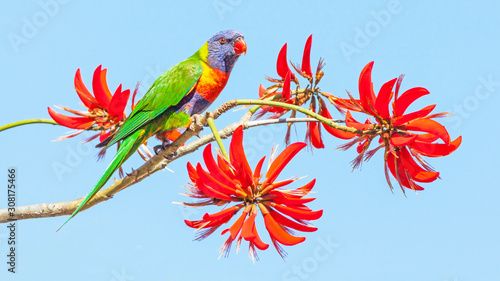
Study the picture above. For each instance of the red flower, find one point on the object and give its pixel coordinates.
(397, 130)
(313, 133)
(286, 86)
(306, 58)
(272, 91)
(323, 111)
(286, 77)
(282, 64)
(305, 70)
(233, 182)
(104, 110)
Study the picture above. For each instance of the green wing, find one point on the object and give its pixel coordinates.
(168, 90)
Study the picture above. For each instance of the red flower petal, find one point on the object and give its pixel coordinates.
(282, 64)
(279, 218)
(277, 232)
(215, 185)
(291, 201)
(286, 86)
(214, 169)
(258, 168)
(282, 183)
(351, 122)
(104, 136)
(229, 211)
(257, 241)
(247, 232)
(366, 94)
(225, 166)
(282, 160)
(71, 122)
(207, 224)
(398, 84)
(262, 90)
(399, 140)
(88, 100)
(297, 213)
(400, 176)
(350, 104)
(429, 126)
(192, 224)
(407, 98)
(193, 175)
(414, 115)
(236, 227)
(118, 103)
(306, 188)
(362, 146)
(279, 110)
(315, 135)
(436, 149)
(238, 158)
(427, 137)
(306, 58)
(383, 99)
(100, 87)
(416, 172)
(200, 183)
(334, 132)
(105, 84)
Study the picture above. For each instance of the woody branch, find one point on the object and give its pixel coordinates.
(160, 161)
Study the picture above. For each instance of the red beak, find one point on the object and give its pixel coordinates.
(240, 46)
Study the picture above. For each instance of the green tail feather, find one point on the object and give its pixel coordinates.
(127, 148)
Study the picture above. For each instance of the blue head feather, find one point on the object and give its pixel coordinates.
(221, 53)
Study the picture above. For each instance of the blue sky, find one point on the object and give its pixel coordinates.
(447, 232)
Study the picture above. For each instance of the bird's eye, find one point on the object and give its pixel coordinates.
(222, 40)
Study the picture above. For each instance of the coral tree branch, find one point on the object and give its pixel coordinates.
(157, 162)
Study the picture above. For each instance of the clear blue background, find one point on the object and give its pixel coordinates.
(447, 232)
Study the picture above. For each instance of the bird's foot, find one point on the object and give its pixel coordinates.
(198, 122)
(171, 156)
(161, 147)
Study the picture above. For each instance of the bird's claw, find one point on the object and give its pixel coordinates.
(159, 148)
(198, 122)
(171, 156)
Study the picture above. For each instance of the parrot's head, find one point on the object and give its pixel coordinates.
(224, 49)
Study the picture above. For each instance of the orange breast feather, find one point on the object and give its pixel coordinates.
(211, 83)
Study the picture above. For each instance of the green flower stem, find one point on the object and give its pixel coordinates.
(305, 111)
(256, 107)
(28, 121)
(211, 124)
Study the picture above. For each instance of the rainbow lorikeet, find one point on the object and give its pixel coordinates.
(185, 89)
